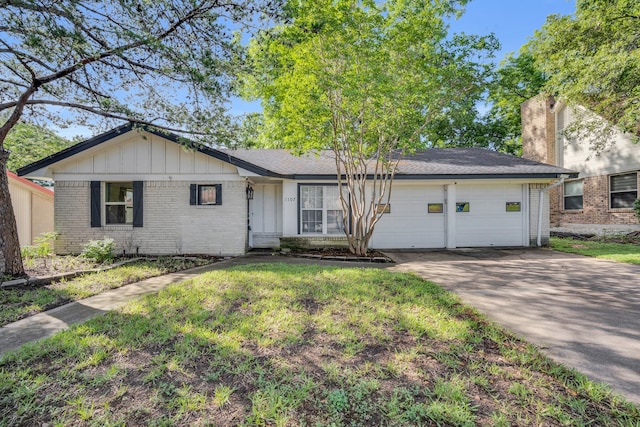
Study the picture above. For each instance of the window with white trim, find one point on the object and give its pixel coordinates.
(320, 210)
(623, 190)
(573, 199)
(118, 202)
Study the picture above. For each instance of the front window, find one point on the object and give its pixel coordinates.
(573, 195)
(320, 210)
(623, 190)
(208, 195)
(118, 202)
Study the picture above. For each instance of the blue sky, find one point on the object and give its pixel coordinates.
(512, 21)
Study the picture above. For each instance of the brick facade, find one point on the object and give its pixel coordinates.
(539, 141)
(595, 206)
(171, 225)
(538, 130)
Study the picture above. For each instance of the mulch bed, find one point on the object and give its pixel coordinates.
(633, 237)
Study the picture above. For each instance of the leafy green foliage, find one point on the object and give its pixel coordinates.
(30, 142)
(592, 59)
(636, 207)
(99, 250)
(163, 63)
(365, 80)
(43, 246)
(517, 79)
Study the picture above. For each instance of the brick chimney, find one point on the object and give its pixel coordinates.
(538, 129)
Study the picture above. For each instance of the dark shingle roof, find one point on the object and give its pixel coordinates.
(433, 163)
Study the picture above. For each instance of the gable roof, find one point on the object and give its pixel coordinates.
(433, 163)
(32, 186)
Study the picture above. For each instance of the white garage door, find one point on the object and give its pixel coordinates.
(487, 222)
(409, 225)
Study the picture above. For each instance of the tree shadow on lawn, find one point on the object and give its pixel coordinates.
(279, 344)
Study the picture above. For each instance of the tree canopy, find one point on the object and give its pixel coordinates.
(364, 79)
(592, 59)
(29, 142)
(165, 63)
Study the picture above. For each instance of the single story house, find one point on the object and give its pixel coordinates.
(154, 195)
(32, 207)
(609, 180)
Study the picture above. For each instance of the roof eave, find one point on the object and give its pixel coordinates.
(301, 177)
(120, 130)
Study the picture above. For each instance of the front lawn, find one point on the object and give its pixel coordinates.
(621, 252)
(297, 345)
(24, 301)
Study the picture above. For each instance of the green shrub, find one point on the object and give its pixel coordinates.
(636, 207)
(99, 250)
(42, 247)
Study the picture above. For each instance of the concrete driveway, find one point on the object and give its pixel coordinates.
(583, 312)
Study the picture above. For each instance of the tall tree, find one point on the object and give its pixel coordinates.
(28, 142)
(364, 79)
(592, 59)
(164, 63)
(514, 81)
(517, 79)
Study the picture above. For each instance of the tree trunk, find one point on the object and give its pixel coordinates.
(10, 259)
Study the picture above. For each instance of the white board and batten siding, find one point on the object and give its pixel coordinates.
(143, 156)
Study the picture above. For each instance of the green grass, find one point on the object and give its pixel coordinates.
(22, 302)
(621, 252)
(288, 345)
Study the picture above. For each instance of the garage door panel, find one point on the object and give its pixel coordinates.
(488, 223)
(408, 225)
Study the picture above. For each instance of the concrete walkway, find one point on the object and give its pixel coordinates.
(45, 324)
(583, 312)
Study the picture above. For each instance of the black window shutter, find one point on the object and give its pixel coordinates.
(138, 203)
(95, 204)
(193, 194)
(218, 194)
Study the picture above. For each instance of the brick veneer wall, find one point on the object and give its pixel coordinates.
(595, 206)
(171, 225)
(538, 129)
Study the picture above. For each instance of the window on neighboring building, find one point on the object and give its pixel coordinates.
(320, 210)
(623, 190)
(573, 195)
(206, 194)
(118, 202)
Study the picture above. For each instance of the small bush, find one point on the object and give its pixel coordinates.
(636, 207)
(42, 247)
(99, 250)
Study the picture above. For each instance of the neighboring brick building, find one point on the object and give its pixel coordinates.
(609, 180)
